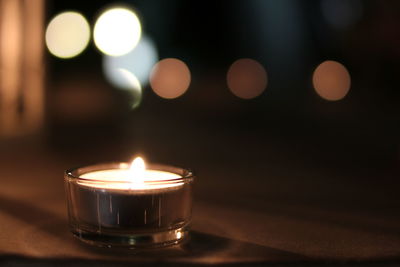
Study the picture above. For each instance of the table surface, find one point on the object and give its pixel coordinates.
(254, 203)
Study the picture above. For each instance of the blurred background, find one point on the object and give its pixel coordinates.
(288, 112)
(250, 85)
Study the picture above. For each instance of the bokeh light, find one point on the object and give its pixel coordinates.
(126, 80)
(117, 31)
(247, 78)
(138, 62)
(135, 88)
(170, 78)
(331, 80)
(341, 13)
(67, 34)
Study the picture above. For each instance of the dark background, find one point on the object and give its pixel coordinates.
(289, 39)
(286, 175)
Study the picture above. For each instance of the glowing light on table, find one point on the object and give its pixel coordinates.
(170, 78)
(246, 78)
(139, 62)
(67, 34)
(117, 31)
(331, 80)
(136, 177)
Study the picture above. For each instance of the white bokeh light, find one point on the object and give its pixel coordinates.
(139, 62)
(117, 31)
(131, 84)
(67, 34)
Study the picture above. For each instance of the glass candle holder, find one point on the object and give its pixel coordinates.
(118, 213)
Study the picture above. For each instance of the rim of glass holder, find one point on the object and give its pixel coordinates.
(73, 174)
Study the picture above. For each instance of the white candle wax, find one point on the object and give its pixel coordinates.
(123, 179)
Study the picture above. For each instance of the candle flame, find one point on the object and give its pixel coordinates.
(138, 169)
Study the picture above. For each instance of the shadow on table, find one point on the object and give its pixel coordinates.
(206, 248)
(35, 216)
(200, 248)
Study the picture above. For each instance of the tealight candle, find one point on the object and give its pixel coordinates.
(122, 204)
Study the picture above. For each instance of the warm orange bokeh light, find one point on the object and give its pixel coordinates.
(247, 78)
(331, 80)
(170, 78)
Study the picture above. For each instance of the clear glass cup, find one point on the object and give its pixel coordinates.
(105, 215)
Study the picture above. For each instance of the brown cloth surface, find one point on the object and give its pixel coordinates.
(271, 211)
